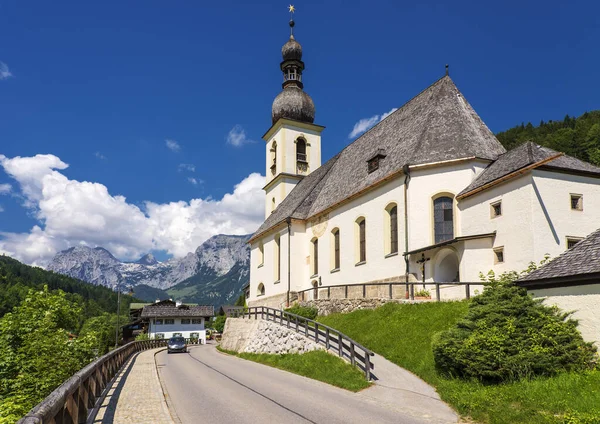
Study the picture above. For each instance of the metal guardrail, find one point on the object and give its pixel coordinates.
(73, 400)
(410, 289)
(332, 339)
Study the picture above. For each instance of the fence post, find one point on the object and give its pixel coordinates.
(368, 366)
(352, 358)
(391, 294)
(364, 291)
(346, 291)
(327, 338)
(306, 328)
(437, 291)
(412, 291)
(317, 333)
(288, 320)
(340, 346)
(468, 288)
(328, 292)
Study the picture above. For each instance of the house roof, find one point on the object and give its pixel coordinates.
(523, 156)
(436, 125)
(170, 309)
(578, 264)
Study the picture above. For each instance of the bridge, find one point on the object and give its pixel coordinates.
(140, 383)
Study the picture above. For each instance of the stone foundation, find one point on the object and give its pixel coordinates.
(260, 336)
(277, 301)
(334, 306)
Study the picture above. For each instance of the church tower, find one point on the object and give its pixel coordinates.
(293, 148)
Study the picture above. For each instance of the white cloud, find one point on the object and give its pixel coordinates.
(237, 137)
(5, 188)
(173, 145)
(72, 212)
(364, 124)
(187, 167)
(99, 155)
(195, 181)
(4, 71)
(1, 208)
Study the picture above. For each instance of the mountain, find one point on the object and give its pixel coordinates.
(213, 274)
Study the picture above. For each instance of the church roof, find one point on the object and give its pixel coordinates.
(580, 263)
(436, 125)
(523, 156)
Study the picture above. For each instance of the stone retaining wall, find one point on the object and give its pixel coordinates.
(260, 336)
(333, 306)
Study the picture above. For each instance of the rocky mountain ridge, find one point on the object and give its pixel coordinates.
(216, 270)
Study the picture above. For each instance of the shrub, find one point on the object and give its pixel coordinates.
(507, 335)
(304, 311)
(142, 336)
(423, 293)
(219, 323)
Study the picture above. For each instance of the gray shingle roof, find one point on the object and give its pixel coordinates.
(524, 155)
(436, 125)
(169, 309)
(581, 260)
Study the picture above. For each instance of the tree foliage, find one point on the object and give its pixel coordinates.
(507, 335)
(578, 137)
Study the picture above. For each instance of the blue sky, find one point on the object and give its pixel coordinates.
(102, 86)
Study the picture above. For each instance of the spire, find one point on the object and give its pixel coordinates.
(293, 102)
(447, 69)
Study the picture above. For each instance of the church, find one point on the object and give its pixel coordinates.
(428, 194)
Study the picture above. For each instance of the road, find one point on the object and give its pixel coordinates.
(207, 386)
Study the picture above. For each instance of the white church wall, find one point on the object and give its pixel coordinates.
(514, 228)
(553, 218)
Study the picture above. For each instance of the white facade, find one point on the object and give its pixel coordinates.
(536, 219)
(165, 328)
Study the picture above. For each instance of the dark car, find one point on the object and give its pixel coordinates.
(176, 344)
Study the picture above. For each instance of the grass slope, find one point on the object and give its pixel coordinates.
(403, 334)
(317, 365)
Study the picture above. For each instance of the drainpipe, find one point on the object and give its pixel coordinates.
(288, 220)
(406, 171)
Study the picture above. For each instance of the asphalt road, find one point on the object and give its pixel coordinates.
(207, 386)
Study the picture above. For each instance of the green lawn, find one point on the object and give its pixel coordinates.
(403, 333)
(317, 365)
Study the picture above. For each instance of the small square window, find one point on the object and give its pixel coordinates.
(373, 164)
(498, 255)
(196, 321)
(496, 209)
(160, 335)
(576, 202)
(158, 321)
(185, 321)
(177, 334)
(169, 321)
(572, 241)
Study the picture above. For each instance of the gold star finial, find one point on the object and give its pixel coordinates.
(291, 8)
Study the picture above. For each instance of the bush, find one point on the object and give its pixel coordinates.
(507, 335)
(304, 311)
(219, 323)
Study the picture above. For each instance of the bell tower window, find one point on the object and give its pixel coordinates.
(274, 158)
(301, 150)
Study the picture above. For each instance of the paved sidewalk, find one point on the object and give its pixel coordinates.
(136, 395)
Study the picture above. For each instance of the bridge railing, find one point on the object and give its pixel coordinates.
(73, 400)
(383, 290)
(322, 334)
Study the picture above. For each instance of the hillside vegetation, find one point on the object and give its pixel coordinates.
(403, 333)
(578, 137)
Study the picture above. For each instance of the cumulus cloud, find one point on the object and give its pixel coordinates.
(71, 212)
(173, 145)
(5, 188)
(187, 167)
(237, 137)
(195, 181)
(99, 155)
(364, 124)
(1, 208)
(4, 71)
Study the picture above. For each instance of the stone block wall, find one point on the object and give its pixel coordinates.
(333, 306)
(261, 336)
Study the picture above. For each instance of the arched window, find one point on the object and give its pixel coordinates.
(361, 232)
(335, 248)
(277, 258)
(261, 254)
(315, 285)
(443, 219)
(261, 290)
(301, 150)
(315, 256)
(391, 229)
(274, 157)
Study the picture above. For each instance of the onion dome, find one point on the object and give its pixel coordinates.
(293, 103)
(292, 50)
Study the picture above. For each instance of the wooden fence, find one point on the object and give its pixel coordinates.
(348, 291)
(332, 339)
(73, 400)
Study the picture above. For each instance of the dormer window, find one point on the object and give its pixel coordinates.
(373, 163)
